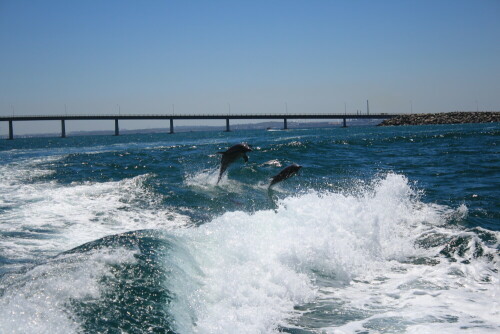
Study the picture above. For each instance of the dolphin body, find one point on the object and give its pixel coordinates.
(231, 155)
(286, 173)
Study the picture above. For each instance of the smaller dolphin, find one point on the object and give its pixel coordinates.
(286, 173)
(231, 155)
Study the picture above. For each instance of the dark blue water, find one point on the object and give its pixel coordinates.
(384, 230)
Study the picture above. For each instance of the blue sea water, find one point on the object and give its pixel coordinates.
(384, 230)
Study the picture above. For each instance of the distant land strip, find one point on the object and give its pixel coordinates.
(456, 117)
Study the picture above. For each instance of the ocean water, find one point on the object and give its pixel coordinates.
(384, 230)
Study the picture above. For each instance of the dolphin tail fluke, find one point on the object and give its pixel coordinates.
(222, 170)
(272, 200)
(220, 176)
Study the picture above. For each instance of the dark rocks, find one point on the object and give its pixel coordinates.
(458, 117)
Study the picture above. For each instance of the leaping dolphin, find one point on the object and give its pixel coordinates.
(286, 173)
(231, 155)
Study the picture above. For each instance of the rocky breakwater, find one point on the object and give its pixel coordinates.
(458, 117)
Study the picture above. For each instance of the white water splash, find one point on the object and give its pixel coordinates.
(39, 301)
(58, 217)
(337, 249)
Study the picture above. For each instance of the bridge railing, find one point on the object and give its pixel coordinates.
(200, 115)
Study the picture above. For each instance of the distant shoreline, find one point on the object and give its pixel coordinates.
(457, 117)
(203, 128)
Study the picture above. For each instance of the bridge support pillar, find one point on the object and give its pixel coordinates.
(285, 124)
(11, 130)
(117, 129)
(344, 123)
(63, 129)
(171, 125)
(227, 125)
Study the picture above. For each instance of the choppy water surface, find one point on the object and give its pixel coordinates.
(385, 230)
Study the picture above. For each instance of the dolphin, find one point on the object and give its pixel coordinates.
(231, 155)
(286, 173)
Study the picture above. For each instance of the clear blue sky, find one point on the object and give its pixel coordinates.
(255, 56)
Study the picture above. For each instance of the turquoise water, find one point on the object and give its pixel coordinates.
(384, 230)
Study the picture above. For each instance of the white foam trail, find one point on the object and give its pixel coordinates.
(39, 301)
(245, 273)
(206, 181)
(59, 217)
(254, 268)
(273, 163)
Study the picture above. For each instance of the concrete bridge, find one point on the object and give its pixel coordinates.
(285, 117)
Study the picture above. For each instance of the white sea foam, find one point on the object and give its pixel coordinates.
(42, 218)
(273, 163)
(246, 273)
(353, 250)
(59, 217)
(206, 181)
(39, 301)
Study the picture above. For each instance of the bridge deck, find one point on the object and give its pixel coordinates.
(194, 116)
(227, 117)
